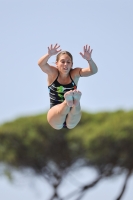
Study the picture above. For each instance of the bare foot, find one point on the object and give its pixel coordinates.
(69, 98)
(76, 95)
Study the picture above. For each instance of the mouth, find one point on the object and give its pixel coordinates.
(65, 68)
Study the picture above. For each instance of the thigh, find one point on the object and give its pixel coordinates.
(55, 117)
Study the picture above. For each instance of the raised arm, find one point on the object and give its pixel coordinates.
(42, 62)
(92, 68)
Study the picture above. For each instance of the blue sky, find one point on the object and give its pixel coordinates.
(29, 27)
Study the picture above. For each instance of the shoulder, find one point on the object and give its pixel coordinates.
(75, 73)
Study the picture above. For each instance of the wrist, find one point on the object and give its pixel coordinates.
(48, 55)
(89, 60)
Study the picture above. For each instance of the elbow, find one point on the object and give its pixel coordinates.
(95, 71)
(38, 63)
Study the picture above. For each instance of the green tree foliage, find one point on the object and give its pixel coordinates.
(104, 140)
(107, 139)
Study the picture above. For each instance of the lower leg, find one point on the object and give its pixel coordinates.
(73, 117)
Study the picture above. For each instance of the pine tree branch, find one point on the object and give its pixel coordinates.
(83, 189)
(124, 185)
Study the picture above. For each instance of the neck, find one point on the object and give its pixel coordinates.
(62, 75)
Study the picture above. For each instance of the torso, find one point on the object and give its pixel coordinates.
(59, 87)
(64, 81)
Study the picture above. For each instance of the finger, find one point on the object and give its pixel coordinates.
(81, 54)
(84, 49)
(89, 48)
(59, 50)
(55, 45)
(91, 51)
(51, 46)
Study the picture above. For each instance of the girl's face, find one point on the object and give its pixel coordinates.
(64, 64)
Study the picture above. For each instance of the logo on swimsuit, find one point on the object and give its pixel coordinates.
(60, 89)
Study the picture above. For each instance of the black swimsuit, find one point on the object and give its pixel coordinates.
(57, 91)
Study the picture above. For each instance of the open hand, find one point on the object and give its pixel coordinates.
(86, 52)
(53, 50)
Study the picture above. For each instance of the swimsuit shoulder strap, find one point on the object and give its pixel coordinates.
(57, 76)
(71, 78)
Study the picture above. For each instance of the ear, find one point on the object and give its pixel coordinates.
(72, 65)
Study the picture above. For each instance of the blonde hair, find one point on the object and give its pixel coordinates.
(62, 53)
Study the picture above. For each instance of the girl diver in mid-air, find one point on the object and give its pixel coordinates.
(65, 110)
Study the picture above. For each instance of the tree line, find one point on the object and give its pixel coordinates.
(102, 140)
